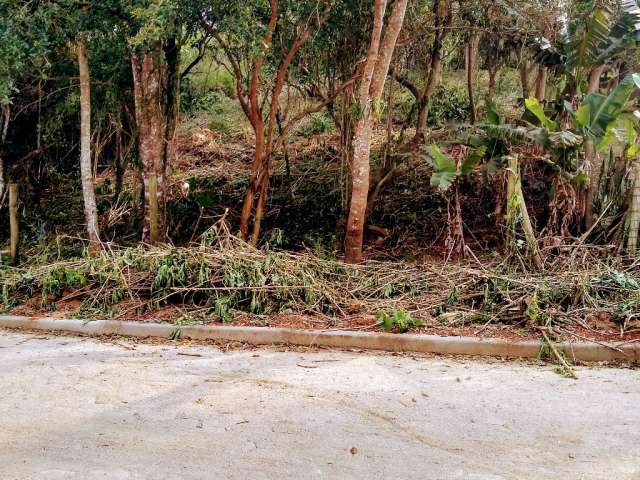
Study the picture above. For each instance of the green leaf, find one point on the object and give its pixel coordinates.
(584, 47)
(533, 105)
(472, 160)
(444, 169)
(385, 321)
(598, 112)
(493, 117)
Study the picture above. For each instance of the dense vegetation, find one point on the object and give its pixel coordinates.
(410, 158)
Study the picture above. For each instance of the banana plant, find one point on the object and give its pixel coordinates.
(446, 173)
(598, 113)
(446, 170)
(595, 120)
(600, 38)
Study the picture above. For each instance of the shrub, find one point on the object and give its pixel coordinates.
(317, 123)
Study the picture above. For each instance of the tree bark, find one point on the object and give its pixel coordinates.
(2, 180)
(442, 11)
(155, 93)
(525, 70)
(633, 222)
(491, 83)
(5, 114)
(471, 68)
(88, 192)
(14, 224)
(541, 83)
(267, 141)
(376, 69)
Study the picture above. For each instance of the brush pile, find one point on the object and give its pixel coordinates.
(222, 276)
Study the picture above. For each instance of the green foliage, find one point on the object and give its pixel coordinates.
(534, 106)
(597, 36)
(220, 280)
(27, 34)
(493, 116)
(449, 104)
(398, 319)
(598, 112)
(445, 170)
(472, 160)
(318, 123)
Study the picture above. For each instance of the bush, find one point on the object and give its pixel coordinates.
(317, 123)
(449, 104)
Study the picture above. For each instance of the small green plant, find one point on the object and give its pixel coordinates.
(398, 319)
(318, 123)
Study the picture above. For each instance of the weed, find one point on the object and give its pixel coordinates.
(398, 319)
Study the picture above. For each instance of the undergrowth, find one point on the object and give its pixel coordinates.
(220, 276)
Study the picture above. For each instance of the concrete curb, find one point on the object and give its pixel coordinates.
(578, 351)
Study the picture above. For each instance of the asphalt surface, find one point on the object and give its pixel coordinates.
(77, 408)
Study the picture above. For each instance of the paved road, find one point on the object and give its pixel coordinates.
(73, 408)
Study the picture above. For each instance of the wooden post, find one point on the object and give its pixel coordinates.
(13, 221)
(153, 209)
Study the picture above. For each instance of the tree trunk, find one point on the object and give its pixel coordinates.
(2, 181)
(525, 70)
(541, 83)
(88, 192)
(375, 72)
(14, 224)
(442, 11)
(633, 222)
(471, 56)
(155, 83)
(493, 75)
(5, 114)
(255, 180)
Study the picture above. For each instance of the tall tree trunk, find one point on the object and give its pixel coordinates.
(525, 69)
(541, 83)
(633, 221)
(14, 224)
(471, 63)
(88, 192)
(2, 180)
(442, 11)
(376, 69)
(156, 95)
(152, 125)
(5, 114)
(255, 181)
(493, 75)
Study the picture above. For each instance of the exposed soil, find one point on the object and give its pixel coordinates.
(595, 329)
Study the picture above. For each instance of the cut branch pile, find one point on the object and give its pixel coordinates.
(223, 277)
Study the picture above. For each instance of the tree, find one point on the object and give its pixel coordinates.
(375, 71)
(259, 92)
(88, 193)
(155, 61)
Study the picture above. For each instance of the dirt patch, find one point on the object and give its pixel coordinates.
(599, 332)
